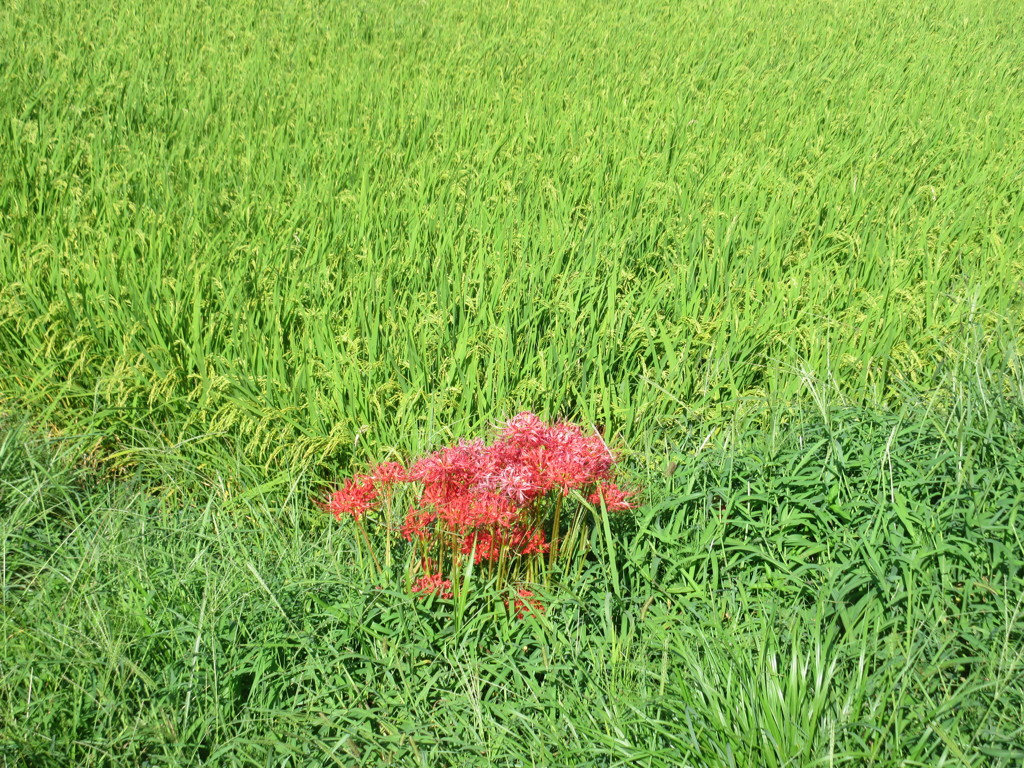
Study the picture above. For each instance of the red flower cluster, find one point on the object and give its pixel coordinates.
(475, 488)
(487, 499)
(615, 498)
(361, 493)
(488, 545)
(433, 584)
(356, 497)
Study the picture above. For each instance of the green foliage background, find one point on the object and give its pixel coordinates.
(283, 226)
(776, 250)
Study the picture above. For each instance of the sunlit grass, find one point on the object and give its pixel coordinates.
(303, 232)
(773, 248)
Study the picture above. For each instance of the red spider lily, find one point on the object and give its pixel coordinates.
(451, 471)
(545, 457)
(477, 511)
(356, 497)
(516, 481)
(488, 545)
(433, 584)
(494, 501)
(389, 472)
(525, 429)
(417, 523)
(529, 542)
(615, 499)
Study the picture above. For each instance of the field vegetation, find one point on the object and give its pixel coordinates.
(772, 252)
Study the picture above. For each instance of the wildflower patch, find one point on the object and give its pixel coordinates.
(514, 510)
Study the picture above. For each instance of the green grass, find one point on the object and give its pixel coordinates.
(774, 249)
(306, 233)
(844, 590)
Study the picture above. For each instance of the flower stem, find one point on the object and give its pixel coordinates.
(369, 546)
(553, 546)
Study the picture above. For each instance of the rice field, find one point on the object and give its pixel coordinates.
(772, 252)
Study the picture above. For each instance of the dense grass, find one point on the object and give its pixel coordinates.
(773, 249)
(843, 590)
(291, 232)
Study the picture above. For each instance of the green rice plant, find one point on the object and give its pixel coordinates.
(372, 229)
